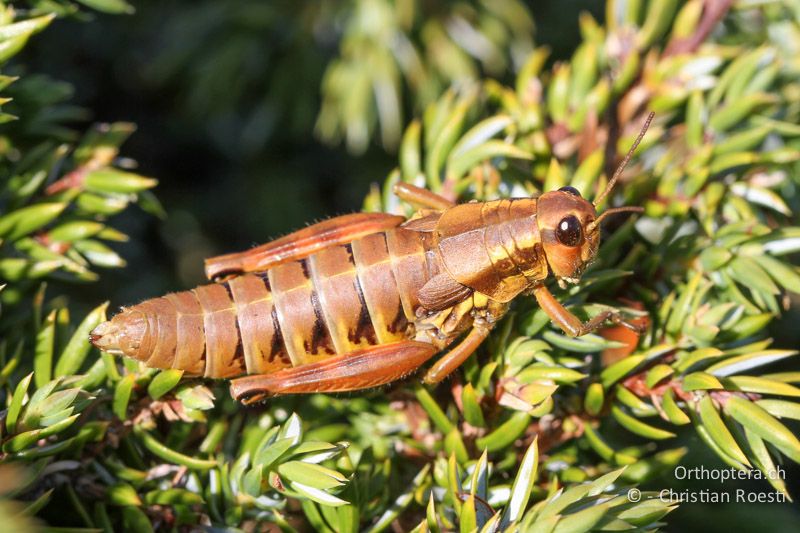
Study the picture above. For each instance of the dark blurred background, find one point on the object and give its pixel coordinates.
(225, 95)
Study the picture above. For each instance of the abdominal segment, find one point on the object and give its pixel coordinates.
(339, 300)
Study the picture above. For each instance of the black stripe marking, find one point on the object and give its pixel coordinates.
(349, 248)
(239, 352)
(304, 266)
(238, 357)
(227, 287)
(276, 348)
(364, 327)
(400, 322)
(320, 336)
(265, 279)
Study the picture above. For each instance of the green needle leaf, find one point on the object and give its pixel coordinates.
(760, 422)
(719, 432)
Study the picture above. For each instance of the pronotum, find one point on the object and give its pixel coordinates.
(361, 300)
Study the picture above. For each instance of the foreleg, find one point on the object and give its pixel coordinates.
(571, 324)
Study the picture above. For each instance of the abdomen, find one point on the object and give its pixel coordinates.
(336, 301)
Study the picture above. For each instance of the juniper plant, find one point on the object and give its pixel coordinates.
(538, 431)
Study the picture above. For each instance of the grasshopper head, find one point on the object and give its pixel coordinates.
(570, 237)
(570, 227)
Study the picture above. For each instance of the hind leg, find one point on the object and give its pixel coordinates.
(363, 369)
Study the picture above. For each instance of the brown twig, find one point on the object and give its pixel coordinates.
(70, 180)
(713, 12)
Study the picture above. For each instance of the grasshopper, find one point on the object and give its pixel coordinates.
(361, 300)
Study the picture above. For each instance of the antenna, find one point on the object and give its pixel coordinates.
(622, 165)
(596, 222)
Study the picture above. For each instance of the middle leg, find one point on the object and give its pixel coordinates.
(456, 357)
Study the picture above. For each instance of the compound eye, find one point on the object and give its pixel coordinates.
(572, 190)
(569, 231)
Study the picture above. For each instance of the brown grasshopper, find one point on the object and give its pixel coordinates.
(361, 300)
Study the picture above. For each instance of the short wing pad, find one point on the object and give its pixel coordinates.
(300, 244)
